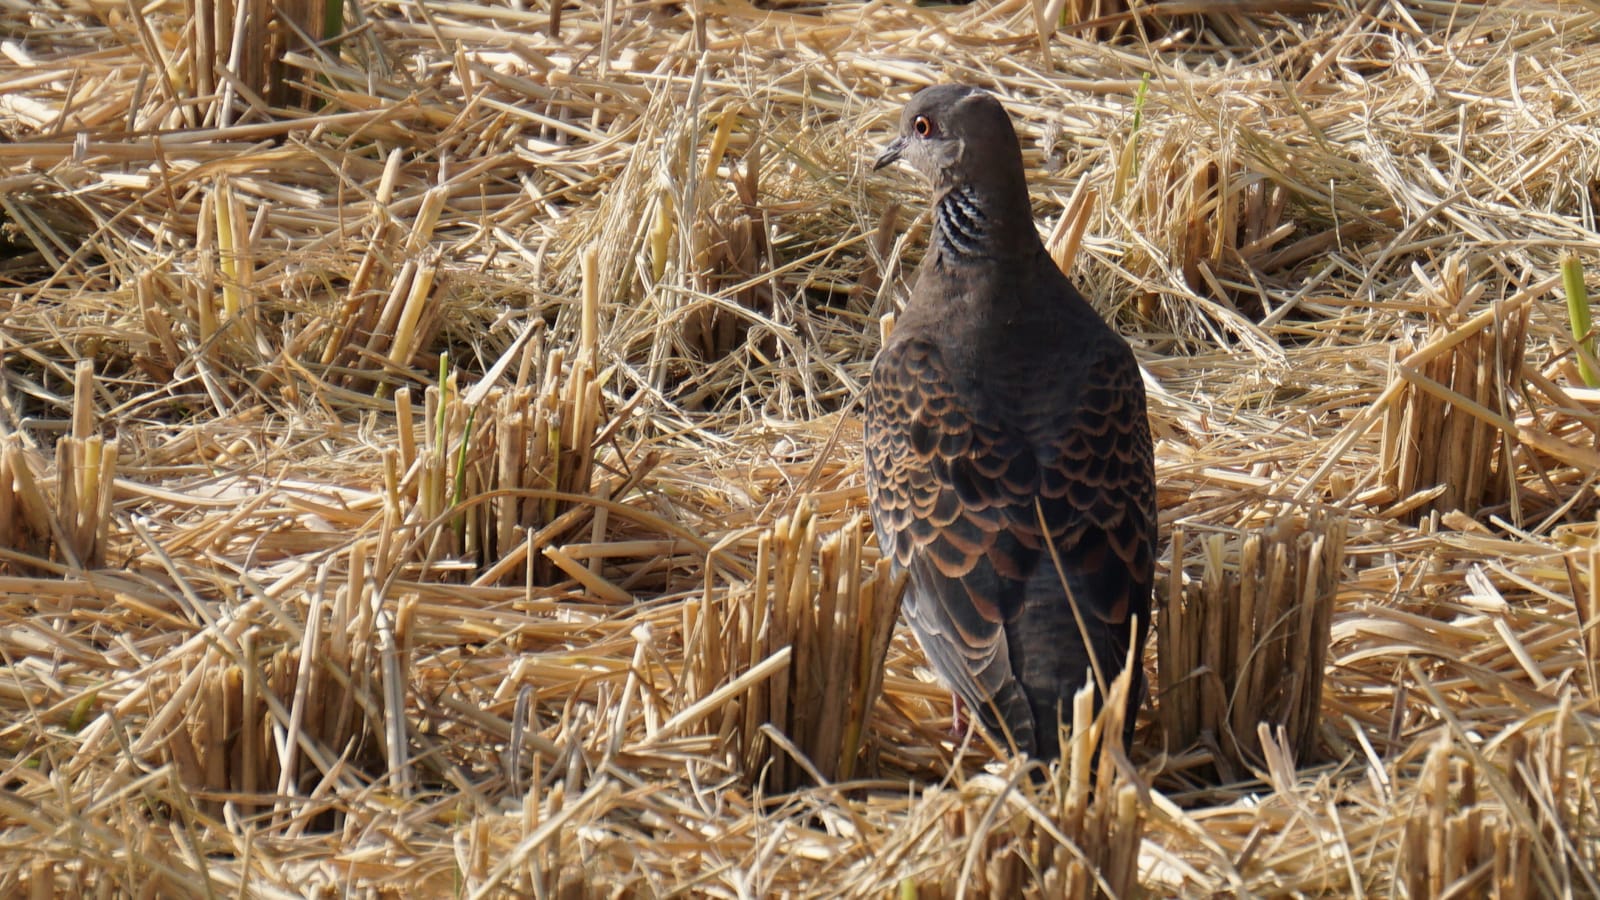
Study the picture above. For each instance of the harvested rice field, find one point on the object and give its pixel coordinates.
(431, 448)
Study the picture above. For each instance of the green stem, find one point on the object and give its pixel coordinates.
(1578, 315)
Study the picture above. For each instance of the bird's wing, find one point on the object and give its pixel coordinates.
(949, 488)
(957, 499)
(1097, 496)
(1097, 486)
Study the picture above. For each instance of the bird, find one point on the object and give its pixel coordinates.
(1009, 466)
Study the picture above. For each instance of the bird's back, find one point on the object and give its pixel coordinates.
(1040, 413)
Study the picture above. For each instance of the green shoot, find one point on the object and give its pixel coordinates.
(1578, 316)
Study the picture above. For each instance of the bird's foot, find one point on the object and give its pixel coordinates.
(959, 721)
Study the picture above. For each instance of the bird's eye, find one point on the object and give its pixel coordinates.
(922, 126)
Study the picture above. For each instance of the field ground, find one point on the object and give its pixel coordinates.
(430, 455)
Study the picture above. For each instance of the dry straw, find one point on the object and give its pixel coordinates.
(429, 449)
(1243, 637)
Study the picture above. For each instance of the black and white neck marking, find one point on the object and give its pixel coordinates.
(960, 227)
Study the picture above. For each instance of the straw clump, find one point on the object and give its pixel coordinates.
(1447, 433)
(1243, 637)
(429, 459)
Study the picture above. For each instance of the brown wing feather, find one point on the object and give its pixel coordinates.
(954, 485)
(945, 485)
(1097, 492)
(1097, 486)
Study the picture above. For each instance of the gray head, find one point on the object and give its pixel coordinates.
(958, 134)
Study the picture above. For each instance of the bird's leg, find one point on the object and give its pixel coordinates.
(958, 717)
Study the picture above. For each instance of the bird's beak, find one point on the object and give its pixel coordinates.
(890, 153)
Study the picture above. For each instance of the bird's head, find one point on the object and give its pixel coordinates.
(956, 134)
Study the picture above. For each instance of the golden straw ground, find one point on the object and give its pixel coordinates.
(412, 449)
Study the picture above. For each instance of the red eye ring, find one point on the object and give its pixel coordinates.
(922, 126)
